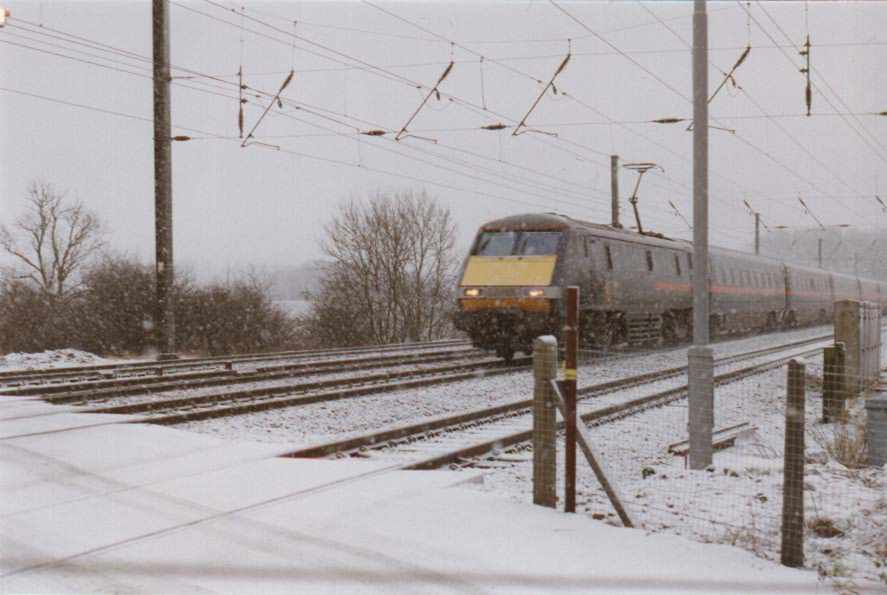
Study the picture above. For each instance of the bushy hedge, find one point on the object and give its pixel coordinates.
(112, 313)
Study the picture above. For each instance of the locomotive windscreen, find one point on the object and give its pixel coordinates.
(517, 243)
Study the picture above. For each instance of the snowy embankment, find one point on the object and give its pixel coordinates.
(55, 358)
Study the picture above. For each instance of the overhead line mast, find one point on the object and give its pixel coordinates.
(700, 357)
(164, 312)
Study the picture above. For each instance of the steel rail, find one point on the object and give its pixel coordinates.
(107, 389)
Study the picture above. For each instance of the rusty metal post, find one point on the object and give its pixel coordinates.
(792, 551)
(571, 337)
(544, 422)
(833, 382)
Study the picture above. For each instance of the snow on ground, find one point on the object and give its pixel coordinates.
(56, 358)
(167, 511)
(320, 422)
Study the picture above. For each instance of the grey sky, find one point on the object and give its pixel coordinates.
(236, 206)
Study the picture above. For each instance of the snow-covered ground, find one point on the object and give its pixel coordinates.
(138, 508)
(56, 358)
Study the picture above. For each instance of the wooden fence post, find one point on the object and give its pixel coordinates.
(792, 551)
(544, 422)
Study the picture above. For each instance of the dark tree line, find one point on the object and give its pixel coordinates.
(111, 313)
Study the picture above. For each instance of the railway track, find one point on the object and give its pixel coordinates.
(229, 403)
(21, 378)
(449, 439)
(84, 393)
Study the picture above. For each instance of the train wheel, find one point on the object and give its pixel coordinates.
(673, 329)
(505, 351)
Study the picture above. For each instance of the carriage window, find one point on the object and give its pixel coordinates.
(677, 265)
(609, 257)
(649, 261)
(689, 261)
(585, 245)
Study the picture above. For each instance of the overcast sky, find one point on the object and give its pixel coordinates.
(259, 206)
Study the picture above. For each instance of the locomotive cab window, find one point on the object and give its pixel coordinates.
(532, 243)
(609, 255)
(677, 265)
(512, 243)
(496, 243)
(649, 260)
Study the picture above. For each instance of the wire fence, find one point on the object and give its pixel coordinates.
(837, 499)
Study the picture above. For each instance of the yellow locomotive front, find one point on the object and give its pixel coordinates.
(508, 292)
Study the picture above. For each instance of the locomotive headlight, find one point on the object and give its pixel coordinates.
(472, 292)
(536, 293)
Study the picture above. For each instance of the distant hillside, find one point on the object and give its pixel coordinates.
(288, 283)
(852, 251)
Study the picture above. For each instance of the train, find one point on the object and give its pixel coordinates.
(635, 288)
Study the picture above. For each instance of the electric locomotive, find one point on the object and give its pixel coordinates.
(634, 288)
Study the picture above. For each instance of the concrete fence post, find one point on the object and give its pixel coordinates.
(848, 330)
(876, 430)
(792, 551)
(834, 393)
(700, 415)
(544, 422)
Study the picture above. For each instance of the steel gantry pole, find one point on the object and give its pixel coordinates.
(700, 358)
(614, 191)
(757, 233)
(164, 319)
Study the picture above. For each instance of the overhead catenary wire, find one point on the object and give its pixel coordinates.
(764, 114)
(507, 67)
(763, 152)
(269, 94)
(877, 147)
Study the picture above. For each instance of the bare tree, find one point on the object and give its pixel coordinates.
(53, 238)
(390, 278)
